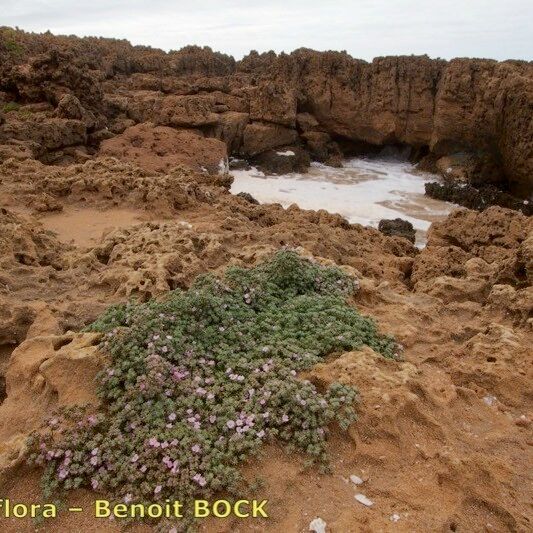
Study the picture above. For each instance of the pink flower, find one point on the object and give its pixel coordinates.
(94, 484)
(230, 424)
(153, 442)
(157, 490)
(284, 418)
(134, 458)
(127, 498)
(200, 480)
(196, 448)
(172, 417)
(94, 460)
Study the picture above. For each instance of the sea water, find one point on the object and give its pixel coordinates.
(363, 190)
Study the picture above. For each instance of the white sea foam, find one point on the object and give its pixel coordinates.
(363, 190)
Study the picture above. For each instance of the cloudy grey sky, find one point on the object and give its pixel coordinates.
(499, 29)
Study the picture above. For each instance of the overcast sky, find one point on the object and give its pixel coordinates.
(500, 29)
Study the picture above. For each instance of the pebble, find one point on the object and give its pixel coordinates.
(522, 421)
(356, 480)
(395, 517)
(361, 498)
(317, 525)
(489, 400)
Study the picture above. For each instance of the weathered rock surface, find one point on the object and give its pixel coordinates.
(479, 108)
(470, 253)
(479, 198)
(45, 373)
(258, 138)
(397, 227)
(160, 148)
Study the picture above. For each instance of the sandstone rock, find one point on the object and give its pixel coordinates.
(479, 248)
(44, 373)
(159, 148)
(19, 150)
(450, 289)
(49, 133)
(120, 124)
(457, 167)
(70, 107)
(321, 147)
(176, 111)
(274, 102)
(262, 137)
(479, 107)
(230, 129)
(517, 303)
(306, 122)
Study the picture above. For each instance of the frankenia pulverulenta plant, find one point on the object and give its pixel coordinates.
(197, 382)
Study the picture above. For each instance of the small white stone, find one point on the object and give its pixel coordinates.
(356, 480)
(489, 400)
(317, 525)
(361, 498)
(395, 517)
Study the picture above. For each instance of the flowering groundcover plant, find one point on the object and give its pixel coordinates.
(198, 381)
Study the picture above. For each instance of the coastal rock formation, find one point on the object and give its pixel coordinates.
(444, 424)
(472, 108)
(43, 373)
(476, 256)
(160, 148)
(398, 227)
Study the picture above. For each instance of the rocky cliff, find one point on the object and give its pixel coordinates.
(62, 96)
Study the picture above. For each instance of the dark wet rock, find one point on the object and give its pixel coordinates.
(283, 160)
(321, 147)
(397, 228)
(248, 197)
(476, 198)
(238, 164)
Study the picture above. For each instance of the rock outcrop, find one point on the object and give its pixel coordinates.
(479, 257)
(160, 148)
(478, 110)
(398, 228)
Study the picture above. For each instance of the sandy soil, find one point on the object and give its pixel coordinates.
(85, 227)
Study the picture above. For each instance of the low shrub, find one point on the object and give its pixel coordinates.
(197, 382)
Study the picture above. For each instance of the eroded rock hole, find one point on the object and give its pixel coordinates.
(5, 353)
